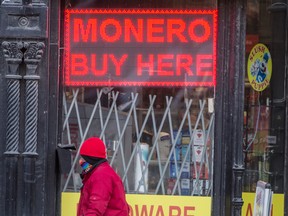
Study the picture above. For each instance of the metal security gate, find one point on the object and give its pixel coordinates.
(166, 160)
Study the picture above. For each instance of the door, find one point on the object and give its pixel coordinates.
(265, 131)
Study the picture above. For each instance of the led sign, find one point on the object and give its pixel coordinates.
(135, 47)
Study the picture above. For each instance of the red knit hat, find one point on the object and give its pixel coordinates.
(93, 147)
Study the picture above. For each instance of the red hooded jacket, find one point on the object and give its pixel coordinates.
(102, 193)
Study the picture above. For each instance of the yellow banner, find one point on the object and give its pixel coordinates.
(150, 205)
(162, 205)
(277, 204)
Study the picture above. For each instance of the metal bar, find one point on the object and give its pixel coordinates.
(137, 147)
(102, 136)
(119, 141)
(188, 148)
(66, 119)
(113, 106)
(138, 138)
(190, 142)
(125, 125)
(174, 152)
(157, 135)
(203, 154)
(78, 115)
(173, 146)
(74, 100)
(83, 138)
(68, 135)
(157, 146)
(200, 117)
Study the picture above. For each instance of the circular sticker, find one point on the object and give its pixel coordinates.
(259, 67)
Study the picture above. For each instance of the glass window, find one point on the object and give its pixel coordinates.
(159, 136)
(264, 116)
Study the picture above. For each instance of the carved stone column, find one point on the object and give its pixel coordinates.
(32, 57)
(29, 105)
(13, 56)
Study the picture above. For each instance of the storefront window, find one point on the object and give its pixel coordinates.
(158, 130)
(264, 116)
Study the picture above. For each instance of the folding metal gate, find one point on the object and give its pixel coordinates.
(175, 161)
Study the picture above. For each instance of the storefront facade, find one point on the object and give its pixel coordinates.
(164, 83)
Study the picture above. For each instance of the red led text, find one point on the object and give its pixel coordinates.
(140, 47)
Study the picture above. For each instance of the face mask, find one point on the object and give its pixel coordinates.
(85, 166)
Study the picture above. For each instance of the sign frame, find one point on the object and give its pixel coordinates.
(170, 73)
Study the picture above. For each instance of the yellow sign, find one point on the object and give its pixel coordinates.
(161, 205)
(150, 205)
(277, 204)
(259, 67)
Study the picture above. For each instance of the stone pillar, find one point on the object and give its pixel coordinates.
(229, 109)
(29, 104)
(13, 57)
(32, 57)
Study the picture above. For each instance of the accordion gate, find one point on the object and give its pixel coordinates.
(171, 175)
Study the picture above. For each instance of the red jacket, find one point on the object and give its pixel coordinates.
(102, 193)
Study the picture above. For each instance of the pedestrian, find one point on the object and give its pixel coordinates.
(102, 192)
